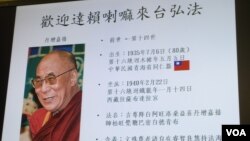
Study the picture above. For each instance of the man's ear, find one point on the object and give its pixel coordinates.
(74, 77)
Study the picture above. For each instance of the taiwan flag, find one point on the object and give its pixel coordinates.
(181, 65)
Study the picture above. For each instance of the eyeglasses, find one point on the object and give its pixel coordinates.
(49, 79)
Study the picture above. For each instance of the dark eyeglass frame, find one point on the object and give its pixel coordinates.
(50, 79)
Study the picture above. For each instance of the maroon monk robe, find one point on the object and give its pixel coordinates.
(63, 126)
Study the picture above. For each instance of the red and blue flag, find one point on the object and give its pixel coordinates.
(181, 65)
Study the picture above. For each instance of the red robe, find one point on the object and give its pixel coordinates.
(64, 126)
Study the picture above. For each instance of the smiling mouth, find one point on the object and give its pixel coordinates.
(48, 99)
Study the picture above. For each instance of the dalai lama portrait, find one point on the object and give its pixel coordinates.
(57, 89)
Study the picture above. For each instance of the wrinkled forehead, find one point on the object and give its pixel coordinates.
(52, 63)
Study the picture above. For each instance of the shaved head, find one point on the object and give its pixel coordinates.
(63, 56)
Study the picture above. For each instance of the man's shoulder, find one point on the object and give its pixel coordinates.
(38, 115)
(76, 99)
(40, 112)
(36, 120)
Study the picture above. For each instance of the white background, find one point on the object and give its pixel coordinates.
(210, 36)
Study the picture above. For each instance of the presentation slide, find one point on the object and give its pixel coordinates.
(123, 70)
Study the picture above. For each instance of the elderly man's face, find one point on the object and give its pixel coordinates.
(57, 96)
